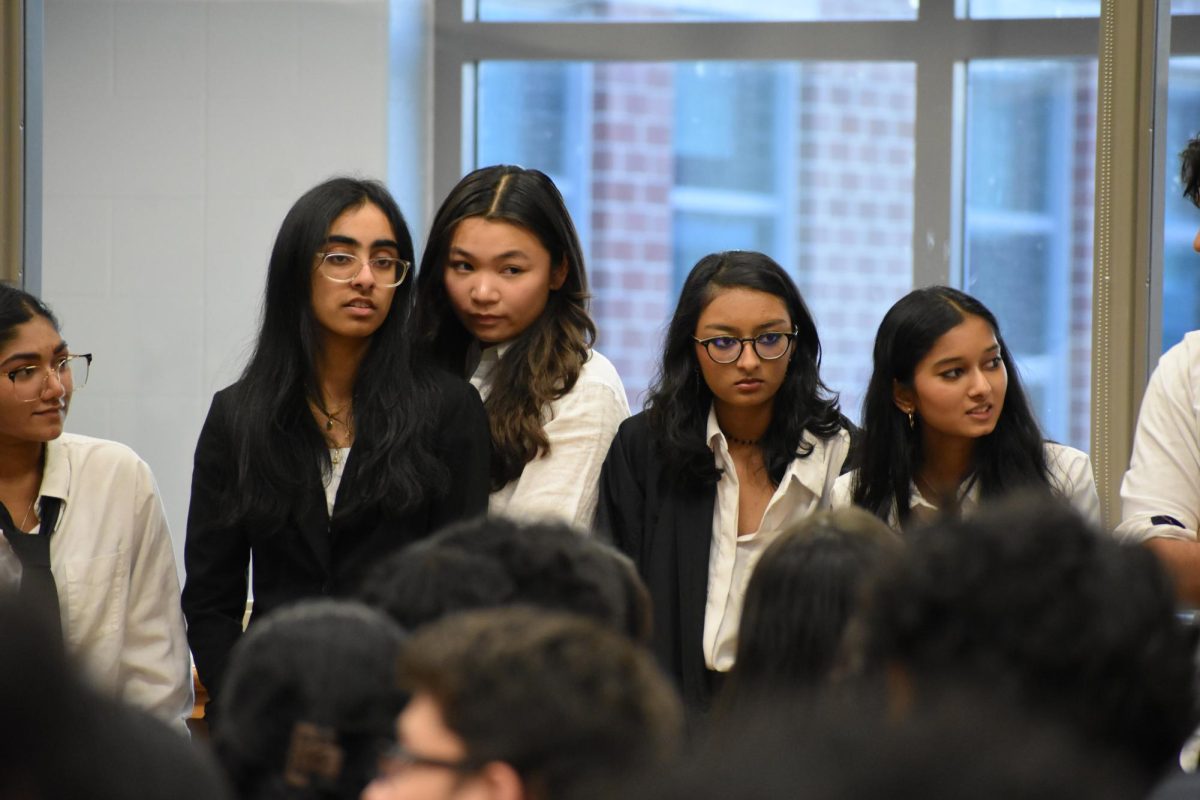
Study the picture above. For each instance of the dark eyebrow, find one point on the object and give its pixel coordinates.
(766, 326)
(507, 254)
(352, 242)
(955, 359)
(60, 348)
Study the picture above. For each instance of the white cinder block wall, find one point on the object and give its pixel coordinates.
(177, 134)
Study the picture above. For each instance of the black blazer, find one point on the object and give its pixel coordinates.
(666, 530)
(308, 554)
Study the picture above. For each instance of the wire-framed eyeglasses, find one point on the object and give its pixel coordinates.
(344, 267)
(398, 759)
(767, 346)
(71, 370)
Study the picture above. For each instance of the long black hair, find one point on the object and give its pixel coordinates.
(1011, 456)
(544, 362)
(679, 398)
(18, 307)
(394, 399)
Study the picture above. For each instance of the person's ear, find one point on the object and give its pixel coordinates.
(500, 781)
(904, 397)
(558, 274)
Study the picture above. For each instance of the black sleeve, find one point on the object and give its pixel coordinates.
(216, 555)
(620, 511)
(465, 445)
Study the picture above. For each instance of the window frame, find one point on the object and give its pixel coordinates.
(940, 43)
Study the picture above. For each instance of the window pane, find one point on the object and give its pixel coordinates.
(1181, 220)
(687, 10)
(810, 163)
(1181, 7)
(1028, 239)
(1032, 9)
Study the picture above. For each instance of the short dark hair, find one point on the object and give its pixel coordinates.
(1189, 174)
(424, 582)
(970, 745)
(570, 704)
(801, 595)
(320, 666)
(548, 564)
(18, 307)
(1026, 599)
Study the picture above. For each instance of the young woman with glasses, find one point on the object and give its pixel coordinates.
(946, 421)
(334, 448)
(85, 540)
(739, 440)
(502, 297)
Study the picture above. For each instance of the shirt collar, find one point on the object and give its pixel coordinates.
(968, 494)
(809, 471)
(56, 474)
(482, 361)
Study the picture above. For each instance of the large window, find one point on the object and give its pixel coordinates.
(897, 144)
(809, 163)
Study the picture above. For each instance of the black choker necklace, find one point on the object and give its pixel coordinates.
(747, 442)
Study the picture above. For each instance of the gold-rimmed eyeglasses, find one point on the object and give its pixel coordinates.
(344, 267)
(30, 381)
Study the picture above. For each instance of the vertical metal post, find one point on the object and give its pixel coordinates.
(1131, 116)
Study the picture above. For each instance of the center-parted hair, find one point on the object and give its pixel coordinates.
(679, 399)
(394, 398)
(1010, 457)
(544, 362)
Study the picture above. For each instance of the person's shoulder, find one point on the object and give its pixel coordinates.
(598, 369)
(1064, 458)
(80, 448)
(635, 428)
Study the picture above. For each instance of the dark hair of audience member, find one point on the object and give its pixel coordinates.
(494, 561)
(1189, 174)
(969, 745)
(679, 400)
(61, 741)
(310, 701)
(1011, 457)
(1026, 599)
(800, 597)
(567, 702)
(424, 582)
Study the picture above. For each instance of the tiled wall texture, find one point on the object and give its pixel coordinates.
(177, 134)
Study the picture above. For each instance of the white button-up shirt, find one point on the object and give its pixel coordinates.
(1162, 486)
(805, 488)
(564, 483)
(1070, 476)
(114, 568)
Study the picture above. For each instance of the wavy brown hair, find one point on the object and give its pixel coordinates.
(544, 362)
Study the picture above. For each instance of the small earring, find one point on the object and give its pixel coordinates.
(912, 422)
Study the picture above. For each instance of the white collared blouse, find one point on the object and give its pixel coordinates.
(806, 487)
(564, 483)
(1070, 475)
(114, 568)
